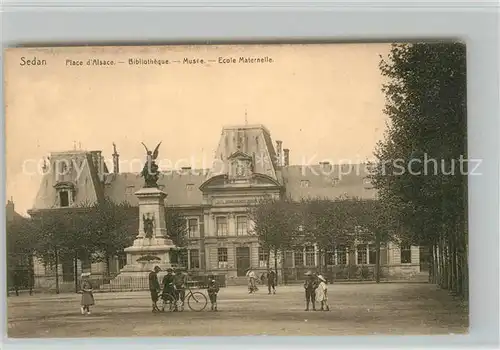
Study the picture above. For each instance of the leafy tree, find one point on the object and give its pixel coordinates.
(177, 231)
(376, 223)
(426, 104)
(90, 232)
(20, 248)
(277, 223)
(329, 223)
(52, 232)
(112, 226)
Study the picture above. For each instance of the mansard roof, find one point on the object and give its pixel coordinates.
(252, 140)
(181, 187)
(184, 188)
(327, 181)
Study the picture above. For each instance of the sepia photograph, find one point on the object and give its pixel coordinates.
(234, 190)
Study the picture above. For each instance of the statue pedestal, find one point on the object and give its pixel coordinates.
(152, 245)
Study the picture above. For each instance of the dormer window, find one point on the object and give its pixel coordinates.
(63, 198)
(65, 194)
(240, 166)
(189, 187)
(305, 183)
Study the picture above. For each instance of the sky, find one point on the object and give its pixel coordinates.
(323, 101)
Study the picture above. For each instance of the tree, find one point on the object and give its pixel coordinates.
(426, 105)
(277, 223)
(52, 232)
(328, 223)
(20, 248)
(177, 231)
(112, 226)
(90, 232)
(376, 223)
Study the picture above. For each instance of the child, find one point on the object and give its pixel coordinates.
(87, 296)
(321, 294)
(310, 286)
(212, 290)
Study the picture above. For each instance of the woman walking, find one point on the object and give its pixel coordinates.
(252, 281)
(87, 296)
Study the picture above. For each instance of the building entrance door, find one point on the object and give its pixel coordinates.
(242, 260)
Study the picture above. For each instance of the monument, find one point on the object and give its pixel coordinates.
(152, 245)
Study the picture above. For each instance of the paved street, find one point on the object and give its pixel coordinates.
(356, 309)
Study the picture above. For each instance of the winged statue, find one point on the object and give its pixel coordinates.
(150, 171)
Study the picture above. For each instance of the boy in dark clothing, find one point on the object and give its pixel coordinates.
(154, 287)
(310, 286)
(180, 285)
(271, 281)
(213, 289)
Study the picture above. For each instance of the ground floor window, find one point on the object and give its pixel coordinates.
(330, 258)
(341, 255)
(405, 254)
(183, 258)
(362, 254)
(222, 258)
(263, 257)
(298, 258)
(288, 259)
(310, 256)
(194, 259)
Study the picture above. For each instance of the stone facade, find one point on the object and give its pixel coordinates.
(215, 203)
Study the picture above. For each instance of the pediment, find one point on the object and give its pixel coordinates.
(240, 156)
(65, 185)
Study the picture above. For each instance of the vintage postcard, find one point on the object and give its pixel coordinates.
(224, 190)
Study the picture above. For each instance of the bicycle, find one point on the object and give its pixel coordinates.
(196, 301)
(166, 301)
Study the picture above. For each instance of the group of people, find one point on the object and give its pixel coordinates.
(315, 287)
(269, 278)
(316, 290)
(174, 284)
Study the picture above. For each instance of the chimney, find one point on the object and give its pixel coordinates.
(116, 160)
(278, 152)
(286, 152)
(9, 210)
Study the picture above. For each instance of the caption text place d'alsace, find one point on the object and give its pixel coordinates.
(156, 61)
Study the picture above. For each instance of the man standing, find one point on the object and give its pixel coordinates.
(271, 281)
(154, 287)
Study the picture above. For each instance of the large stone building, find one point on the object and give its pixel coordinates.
(214, 202)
